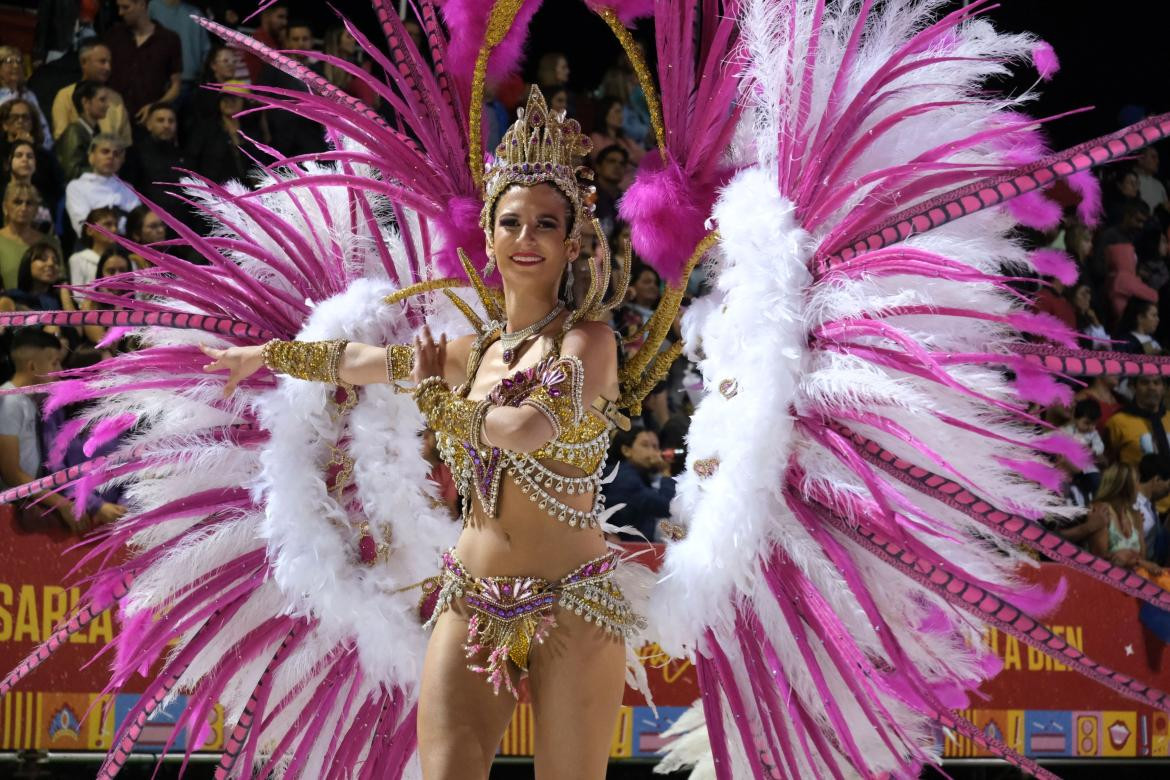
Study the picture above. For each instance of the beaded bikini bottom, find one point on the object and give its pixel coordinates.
(510, 614)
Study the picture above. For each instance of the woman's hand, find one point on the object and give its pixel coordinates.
(429, 357)
(240, 362)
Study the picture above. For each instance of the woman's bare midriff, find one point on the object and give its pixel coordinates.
(526, 540)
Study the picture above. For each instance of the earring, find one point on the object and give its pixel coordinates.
(569, 285)
(491, 263)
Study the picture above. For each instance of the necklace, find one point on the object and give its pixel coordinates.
(510, 341)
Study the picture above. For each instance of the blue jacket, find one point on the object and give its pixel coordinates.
(645, 504)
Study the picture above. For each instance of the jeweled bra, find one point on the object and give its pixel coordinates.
(581, 441)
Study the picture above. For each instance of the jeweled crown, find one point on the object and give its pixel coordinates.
(541, 146)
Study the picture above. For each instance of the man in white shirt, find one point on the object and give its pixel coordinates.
(1150, 187)
(100, 186)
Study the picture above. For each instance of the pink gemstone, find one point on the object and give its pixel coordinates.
(367, 550)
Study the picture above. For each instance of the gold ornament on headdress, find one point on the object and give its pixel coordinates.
(541, 147)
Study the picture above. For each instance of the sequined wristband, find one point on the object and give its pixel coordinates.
(399, 362)
(315, 361)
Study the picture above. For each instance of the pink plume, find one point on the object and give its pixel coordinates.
(1035, 210)
(1044, 325)
(936, 622)
(66, 392)
(1045, 59)
(467, 22)
(627, 10)
(459, 228)
(130, 636)
(108, 430)
(1035, 384)
(666, 211)
(1053, 262)
(1037, 600)
(66, 434)
(1040, 473)
(1067, 447)
(1088, 186)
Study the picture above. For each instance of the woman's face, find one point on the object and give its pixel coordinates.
(613, 117)
(347, 44)
(24, 162)
(1147, 321)
(20, 207)
(1128, 186)
(153, 229)
(223, 65)
(646, 288)
(19, 123)
(46, 269)
(115, 264)
(11, 68)
(529, 237)
(562, 71)
(560, 101)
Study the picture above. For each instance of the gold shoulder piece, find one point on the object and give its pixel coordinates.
(490, 304)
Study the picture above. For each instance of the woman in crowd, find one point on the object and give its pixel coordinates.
(641, 298)
(612, 133)
(1120, 537)
(1088, 323)
(12, 87)
(38, 280)
(143, 226)
(340, 44)
(220, 67)
(621, 83)
(214, 149)
(1136, 329)
(114, 260)
(20, 121)
(21, 204)
(21, 165)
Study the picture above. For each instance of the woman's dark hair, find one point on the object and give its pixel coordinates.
(95, 216)
(85, 90)
(38, 130)
(114, 251)
(624, 439)
(1134, 308)
(134, 222)
(206, 76)
(607, 106)
(24, 280)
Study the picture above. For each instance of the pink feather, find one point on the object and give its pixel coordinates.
(1035, 210)
(459, 227)
(1088, 186)
(1053, 262)
(467, 21)
(628, 11)
(1045, 59)
(1039, 386)
(666, 211)
(1067, 447)
(1040, 473)
(108, 430)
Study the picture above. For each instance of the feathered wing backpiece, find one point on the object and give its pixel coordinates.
(863, 473)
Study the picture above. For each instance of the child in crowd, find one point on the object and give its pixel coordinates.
(1083, 428)
(84, 262)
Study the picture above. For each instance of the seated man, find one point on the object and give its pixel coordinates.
(92, 101)
(100, 186)
(95, 60)
(34, 355)
(151, 164)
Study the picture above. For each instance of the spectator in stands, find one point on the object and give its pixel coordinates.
(21, 202)
(291, 133)
(176, 16)
(38, 281)
(99, 186)
(1136, 329)
(1052, 298)
(1150, 186)
(92, 102)
(19, 121)
(1153, 487)
(552, 71)
(221, 66)
(1120, 538)
(641, 298)
(95, 60)
(1084, 483)
(1088, 323)
(114, 260)
(1123, 282)
(620, 82)
(64, 26)
(558, 99)
(1125, 190)
(145, 227)
(35, 356)
(273, 21)
(156, 156)
(83, 264)
(216, 149)
(609, 167)
(1140, 427)
(21, 166)
(643, 483)
(340, 44)
(147, 59)
(1101, 389)
(611, 133)
(12, 87)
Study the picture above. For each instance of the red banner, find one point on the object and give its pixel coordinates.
(1035, 705)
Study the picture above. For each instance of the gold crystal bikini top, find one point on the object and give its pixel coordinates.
(581, 438)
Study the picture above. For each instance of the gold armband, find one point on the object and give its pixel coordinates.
(558, 397)
(399, 362)
(446, 412)
(315, 361)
